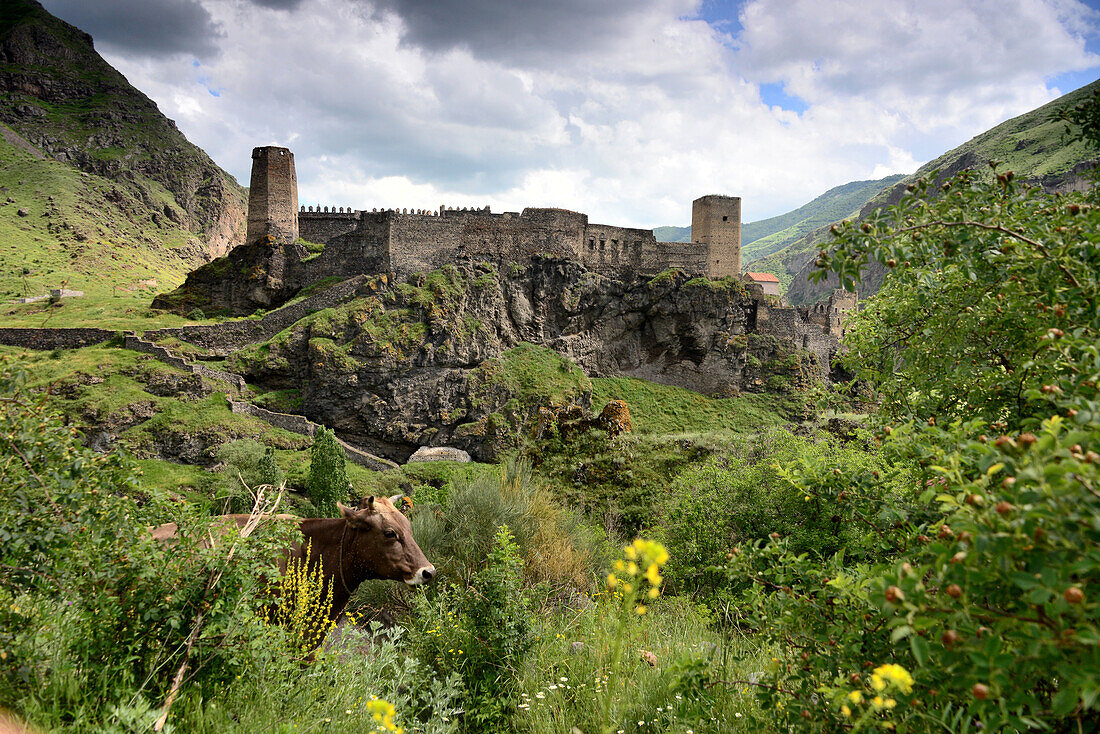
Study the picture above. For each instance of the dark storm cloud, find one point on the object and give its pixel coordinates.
(278, 4)
(144, 27)
(513, 29)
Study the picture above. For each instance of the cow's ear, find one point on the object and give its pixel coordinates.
(354, 517)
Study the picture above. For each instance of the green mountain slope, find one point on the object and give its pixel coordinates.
(1033, 145)
(761, 238)
(111, 192)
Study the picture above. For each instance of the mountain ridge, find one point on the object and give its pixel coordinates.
(126, 185)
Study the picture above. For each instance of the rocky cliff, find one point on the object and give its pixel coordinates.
(465, 355)
(59, 96)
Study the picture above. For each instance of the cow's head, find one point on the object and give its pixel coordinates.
(381, 540)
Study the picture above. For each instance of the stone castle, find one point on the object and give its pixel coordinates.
(406, 241)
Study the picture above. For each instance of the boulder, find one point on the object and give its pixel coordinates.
(439, 453)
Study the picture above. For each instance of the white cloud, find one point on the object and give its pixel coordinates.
(628, 124)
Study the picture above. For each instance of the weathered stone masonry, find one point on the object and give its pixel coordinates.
(404, 241)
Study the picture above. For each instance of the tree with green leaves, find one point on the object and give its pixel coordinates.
(328, 478)
(983, 350)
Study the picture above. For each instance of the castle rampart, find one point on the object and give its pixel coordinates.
(405, 240)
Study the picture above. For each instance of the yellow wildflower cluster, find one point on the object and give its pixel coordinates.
(303, 606)
(641, 554)
(889, 676)
(892, 674)
(383, 713)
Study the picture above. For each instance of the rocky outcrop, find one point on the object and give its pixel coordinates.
(464, 355)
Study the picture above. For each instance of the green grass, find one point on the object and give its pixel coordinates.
(559, 683)
(534, 375)
(663, 409)
(104, 386)
(74, 236)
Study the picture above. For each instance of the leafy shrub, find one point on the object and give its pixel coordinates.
(96, 610)
(328, 479)
(247, 463)
(983, 596)
(733, 500)
(482, 632)
(196, 314)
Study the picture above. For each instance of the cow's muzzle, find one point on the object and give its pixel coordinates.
(422, 576)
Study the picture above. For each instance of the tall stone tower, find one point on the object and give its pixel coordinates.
(272, 196)
(716, 223)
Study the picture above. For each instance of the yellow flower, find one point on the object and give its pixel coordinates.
(641, 609)
(891, 703)
(845, 710)
(612, 581)
(620, 566)
(855, 697)
(877, 702)
(652, 573)
(877, 682)
(896, 674)
(632, 568)
(654, 593)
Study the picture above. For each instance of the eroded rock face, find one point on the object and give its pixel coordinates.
(464, 355)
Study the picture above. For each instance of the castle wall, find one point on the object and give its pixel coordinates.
(423, 242)
(365, 249)
(320, 227)
(688, 256)
(609, 250)
(272, 196)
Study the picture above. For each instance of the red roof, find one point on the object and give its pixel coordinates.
(763, 277)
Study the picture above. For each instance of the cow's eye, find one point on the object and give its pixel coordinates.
(390, 534)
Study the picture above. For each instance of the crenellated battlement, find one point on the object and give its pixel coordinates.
(407, 239)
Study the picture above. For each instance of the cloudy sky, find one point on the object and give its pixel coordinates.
(624, 109)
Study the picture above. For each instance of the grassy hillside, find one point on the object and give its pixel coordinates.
(759, 239)
(1033, 145)
(97, 188)
(59, 225)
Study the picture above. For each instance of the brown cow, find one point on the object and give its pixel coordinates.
(371, 541)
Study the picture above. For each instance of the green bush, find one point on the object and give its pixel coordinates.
(980, 611)
(734, 500)
(247, 464)
(482, 632)
(328, 479)
(95, 612)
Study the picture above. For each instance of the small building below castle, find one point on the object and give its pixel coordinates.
(767, 282)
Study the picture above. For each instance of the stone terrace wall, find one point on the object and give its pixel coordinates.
(47, 339)
(223, 339)
(305, 427)
(138, 344)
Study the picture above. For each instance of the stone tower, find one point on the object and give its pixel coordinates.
(716, 223)
(272, 196)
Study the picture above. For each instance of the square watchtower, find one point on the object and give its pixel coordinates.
(272, 195)
(716, 224)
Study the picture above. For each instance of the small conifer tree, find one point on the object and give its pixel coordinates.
(268, 470)
(328, 479)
